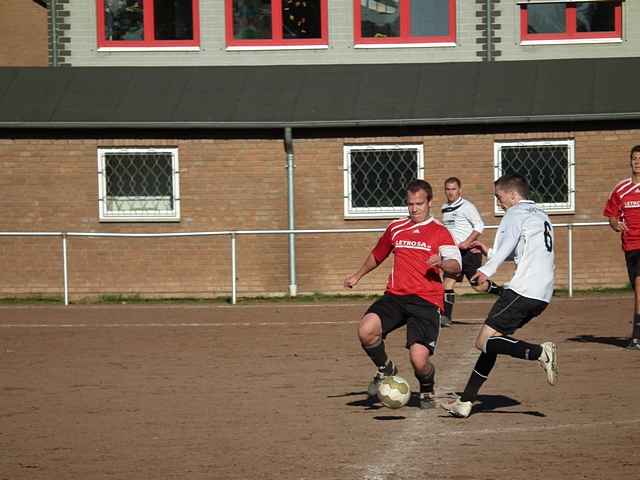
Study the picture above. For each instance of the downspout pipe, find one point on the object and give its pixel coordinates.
(54, 33)
(288, 147)
(489, 31)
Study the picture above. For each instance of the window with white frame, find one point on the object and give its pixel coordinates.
(549, 167)
(138, 184)
(375, 178)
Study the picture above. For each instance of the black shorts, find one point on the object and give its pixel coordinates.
(471, 262)
(633, 265)
(513, 311)
(421, 318)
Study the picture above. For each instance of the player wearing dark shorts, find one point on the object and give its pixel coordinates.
(632, 259)
(526, 235)
(422, 248)
(623, 211)
(465, 224)
(513, 311)
(421, 318)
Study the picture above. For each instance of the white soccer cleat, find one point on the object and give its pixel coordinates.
(549, 361)
(634, 344)
(458, 408)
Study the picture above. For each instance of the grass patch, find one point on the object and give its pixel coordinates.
(32, 300)
(137, 299)
(589, 292)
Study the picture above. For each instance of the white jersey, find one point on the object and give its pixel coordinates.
(526, 235)
(461, 218)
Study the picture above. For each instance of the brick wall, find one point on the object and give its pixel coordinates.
(23, 33)
(50, 184)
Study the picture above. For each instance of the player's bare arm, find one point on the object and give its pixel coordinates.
(368, 265)
(449, 265)
(617, 225)
(467, 243)
(480, 246)
(479, 279)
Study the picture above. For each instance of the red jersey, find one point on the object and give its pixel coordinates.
(412, 244)
(624, 204)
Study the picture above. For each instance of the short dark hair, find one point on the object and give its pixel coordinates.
(513, 183)
(418, 184)
(634, 149)
(453, 180)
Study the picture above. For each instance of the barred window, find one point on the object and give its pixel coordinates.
(375, 178)
(549, 166)
(138, 184)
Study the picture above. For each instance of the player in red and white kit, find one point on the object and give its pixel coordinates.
(422, 248)
(623, 211)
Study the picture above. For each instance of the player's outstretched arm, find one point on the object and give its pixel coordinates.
(369, 264)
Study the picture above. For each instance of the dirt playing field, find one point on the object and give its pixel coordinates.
(278, 391)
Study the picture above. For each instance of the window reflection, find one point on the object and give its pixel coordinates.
(595, 16)
(123, 20)
(546, 18)
(380, 18)
(252, 19)
(301, 19)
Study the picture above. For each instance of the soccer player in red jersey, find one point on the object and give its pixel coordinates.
(422, 248)
(623, 211)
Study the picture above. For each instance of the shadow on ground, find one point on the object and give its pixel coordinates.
(615, 341)
(485, 404)
(495, 404)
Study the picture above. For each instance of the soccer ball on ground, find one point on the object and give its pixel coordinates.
(394, 391)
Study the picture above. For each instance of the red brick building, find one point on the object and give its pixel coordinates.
(23, 33)
(198, 150)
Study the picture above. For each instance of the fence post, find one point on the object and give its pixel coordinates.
(233, 268)
(65, 269)
(570, 258)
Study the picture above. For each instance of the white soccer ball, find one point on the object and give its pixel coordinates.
(394, 392)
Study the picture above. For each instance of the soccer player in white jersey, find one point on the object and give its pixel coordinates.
(623, 211)
(526, 235)
(462, 219)
(422, 248)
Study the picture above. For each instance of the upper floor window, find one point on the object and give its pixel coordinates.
(548, 165)
(562, 22)
(375, 178)
(404, 22)
(148, 23)
(269, 23)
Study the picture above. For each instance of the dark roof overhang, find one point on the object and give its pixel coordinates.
(320, 96)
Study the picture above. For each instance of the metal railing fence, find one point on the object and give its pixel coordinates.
(234, 234)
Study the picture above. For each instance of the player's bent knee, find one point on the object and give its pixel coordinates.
(419, 356)
(370, 330)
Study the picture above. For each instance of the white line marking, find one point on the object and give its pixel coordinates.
(183, 324)
(184, 306)
(541, 428)
(412, 437)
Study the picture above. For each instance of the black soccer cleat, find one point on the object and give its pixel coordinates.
(387, 371)
(427, 400)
